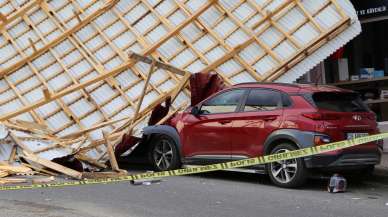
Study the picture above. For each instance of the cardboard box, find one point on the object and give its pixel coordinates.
(378, 73)
(355, 77)
(384, 94)
(366, 73)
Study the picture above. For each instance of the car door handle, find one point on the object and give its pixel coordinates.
(270, 118)
(224, 122)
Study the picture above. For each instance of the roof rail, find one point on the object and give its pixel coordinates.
(270, 83)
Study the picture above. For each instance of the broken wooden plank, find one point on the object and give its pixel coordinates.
(3, 18)
(14, 169)
(13, 180)
(51, 165)
(46, 93)
(111, 153)
(12, 156)
(158, 64)
(138, 106)
(43, 180)
(90, 161)
(3, 174)
(101, 175)
(40, 170)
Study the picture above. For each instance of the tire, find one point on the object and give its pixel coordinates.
(287, 174)
(163, 153)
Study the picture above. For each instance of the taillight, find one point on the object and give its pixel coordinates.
(321, 116)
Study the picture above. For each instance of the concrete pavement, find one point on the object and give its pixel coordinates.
(384, 161)
(218, 194)
(381, 171)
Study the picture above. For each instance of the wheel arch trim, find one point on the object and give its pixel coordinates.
(302, 139)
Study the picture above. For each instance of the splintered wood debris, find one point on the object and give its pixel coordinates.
(71, 85)
(28, 148)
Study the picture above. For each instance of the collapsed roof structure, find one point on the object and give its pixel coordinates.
(66, 73)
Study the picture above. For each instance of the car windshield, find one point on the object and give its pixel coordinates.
(339, 102)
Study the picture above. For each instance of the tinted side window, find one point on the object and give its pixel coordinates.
(286, 100)
(223, 103)
(263, 100)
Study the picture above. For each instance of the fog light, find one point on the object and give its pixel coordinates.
(321, 139)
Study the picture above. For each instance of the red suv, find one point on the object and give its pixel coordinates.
(255, 119)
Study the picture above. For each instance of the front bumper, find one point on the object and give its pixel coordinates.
(344, 160)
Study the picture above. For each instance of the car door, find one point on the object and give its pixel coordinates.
(207, 135)
(260, 115)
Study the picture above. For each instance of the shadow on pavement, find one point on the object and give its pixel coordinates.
(316, 183)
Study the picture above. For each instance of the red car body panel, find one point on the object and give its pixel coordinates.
(244, 133)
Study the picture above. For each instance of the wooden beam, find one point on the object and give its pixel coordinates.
(13, 180)
(42, 180)
(15, 169)
(102, 175)
(32, 44)
(111, 153)
(12, 156)
(158, 64)
(90, 161)
(3, 18)
(142, 95)
(40, 170)
(46, 93)
(54, 166)
(182, 84)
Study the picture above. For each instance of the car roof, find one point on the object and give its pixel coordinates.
(293, 88)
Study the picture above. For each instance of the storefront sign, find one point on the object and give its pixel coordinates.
(371, 8)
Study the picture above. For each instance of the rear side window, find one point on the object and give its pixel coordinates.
(263, 100)
(339, 102)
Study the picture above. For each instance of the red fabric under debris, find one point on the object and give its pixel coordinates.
(126, 143)
(338, 54)
(203, 85)
(159, 112)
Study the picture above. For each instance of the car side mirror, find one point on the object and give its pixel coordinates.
(195, 111)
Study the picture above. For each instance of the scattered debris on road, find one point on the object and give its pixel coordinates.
(337, 184)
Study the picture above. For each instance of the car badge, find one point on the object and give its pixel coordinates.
(357, 117)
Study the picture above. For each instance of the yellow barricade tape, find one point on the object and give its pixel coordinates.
(214, 167)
